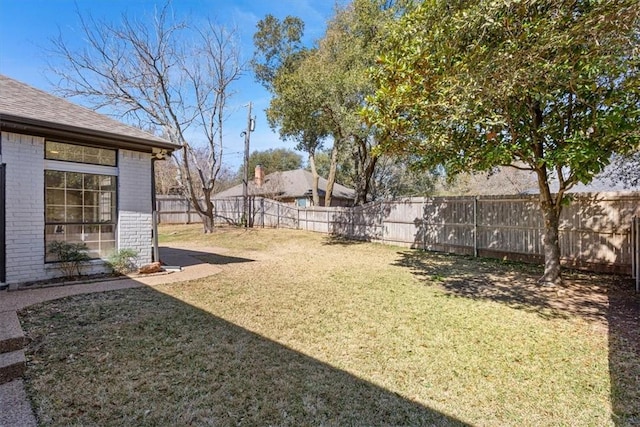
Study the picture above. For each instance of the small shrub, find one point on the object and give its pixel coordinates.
(123, 261)
(70, 256)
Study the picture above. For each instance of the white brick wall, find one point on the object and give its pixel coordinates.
(25, 251)
(24, 157)
(134, 203)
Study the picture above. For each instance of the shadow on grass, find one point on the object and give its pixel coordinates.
(606, 300)
(337, 240)
(187, 257)
(507, 282)
(139, 357)
(624, 353)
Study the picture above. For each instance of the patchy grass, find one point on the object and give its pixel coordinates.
(323, 332)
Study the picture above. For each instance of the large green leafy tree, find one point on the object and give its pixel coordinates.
(273, 160)
(550, 86)
(279, 64)
(318, 92)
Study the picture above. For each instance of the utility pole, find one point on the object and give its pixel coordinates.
(251, 124)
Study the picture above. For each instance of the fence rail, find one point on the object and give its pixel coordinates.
(595, 229)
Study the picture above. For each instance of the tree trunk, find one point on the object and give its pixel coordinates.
(551, 210)
(207, 223)
(331, 179)
(316, 179)
(551, 242)
(366, 166)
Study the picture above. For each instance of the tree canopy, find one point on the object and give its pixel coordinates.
(274, 160)
(319, 91)
(551, 86)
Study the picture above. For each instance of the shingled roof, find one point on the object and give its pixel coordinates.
(25, 109)
(290, 184)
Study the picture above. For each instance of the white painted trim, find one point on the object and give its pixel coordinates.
(80, 167)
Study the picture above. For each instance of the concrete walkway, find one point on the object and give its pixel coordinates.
(15, 408)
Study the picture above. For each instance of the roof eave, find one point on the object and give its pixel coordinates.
(24, 125)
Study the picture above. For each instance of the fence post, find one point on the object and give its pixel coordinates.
(424, 224)
(475, 226)
(635, 251)
(328, 223)
(382, 221)
(352, 226)
(277, 215)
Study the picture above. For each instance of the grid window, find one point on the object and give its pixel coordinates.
(79, 154)
(80, 207)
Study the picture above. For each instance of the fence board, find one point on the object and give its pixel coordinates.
(595, 229)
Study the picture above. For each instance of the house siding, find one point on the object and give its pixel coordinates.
(134, 204)
(24, 195)
(24, 159)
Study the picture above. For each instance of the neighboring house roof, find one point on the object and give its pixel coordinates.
(24, 108)
(601, 183)
(290, 184)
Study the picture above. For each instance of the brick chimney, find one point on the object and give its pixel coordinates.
(258, 178)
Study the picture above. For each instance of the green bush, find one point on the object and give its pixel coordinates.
(123, 261)
(69, 256)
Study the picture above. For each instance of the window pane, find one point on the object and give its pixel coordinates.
(79, 153)
(74, 180)
(91, 198)
(53, 150)
(55, 197)
(107, 183)
(107, 157)
(55, 214)
(77, 210)
(91, 214)
(107, 248)
(92, 182)
(74, 233)
(91, 155)
(93, 249)
(74, 198)
(107, 207)
(74, 214)
(55, 232)
(54, 179)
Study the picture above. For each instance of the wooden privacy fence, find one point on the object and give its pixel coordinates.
(635, 253)
(595, 229)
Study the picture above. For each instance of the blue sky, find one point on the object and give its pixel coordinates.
(26, 27)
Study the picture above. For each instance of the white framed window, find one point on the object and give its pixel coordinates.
(80, 198)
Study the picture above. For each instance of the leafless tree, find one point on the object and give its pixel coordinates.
(166, 174)
(164, 74)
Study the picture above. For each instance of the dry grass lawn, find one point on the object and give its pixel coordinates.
(301, 329)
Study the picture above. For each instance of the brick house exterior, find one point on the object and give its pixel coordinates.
(69, 173)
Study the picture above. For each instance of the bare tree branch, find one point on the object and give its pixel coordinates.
(152, 73)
